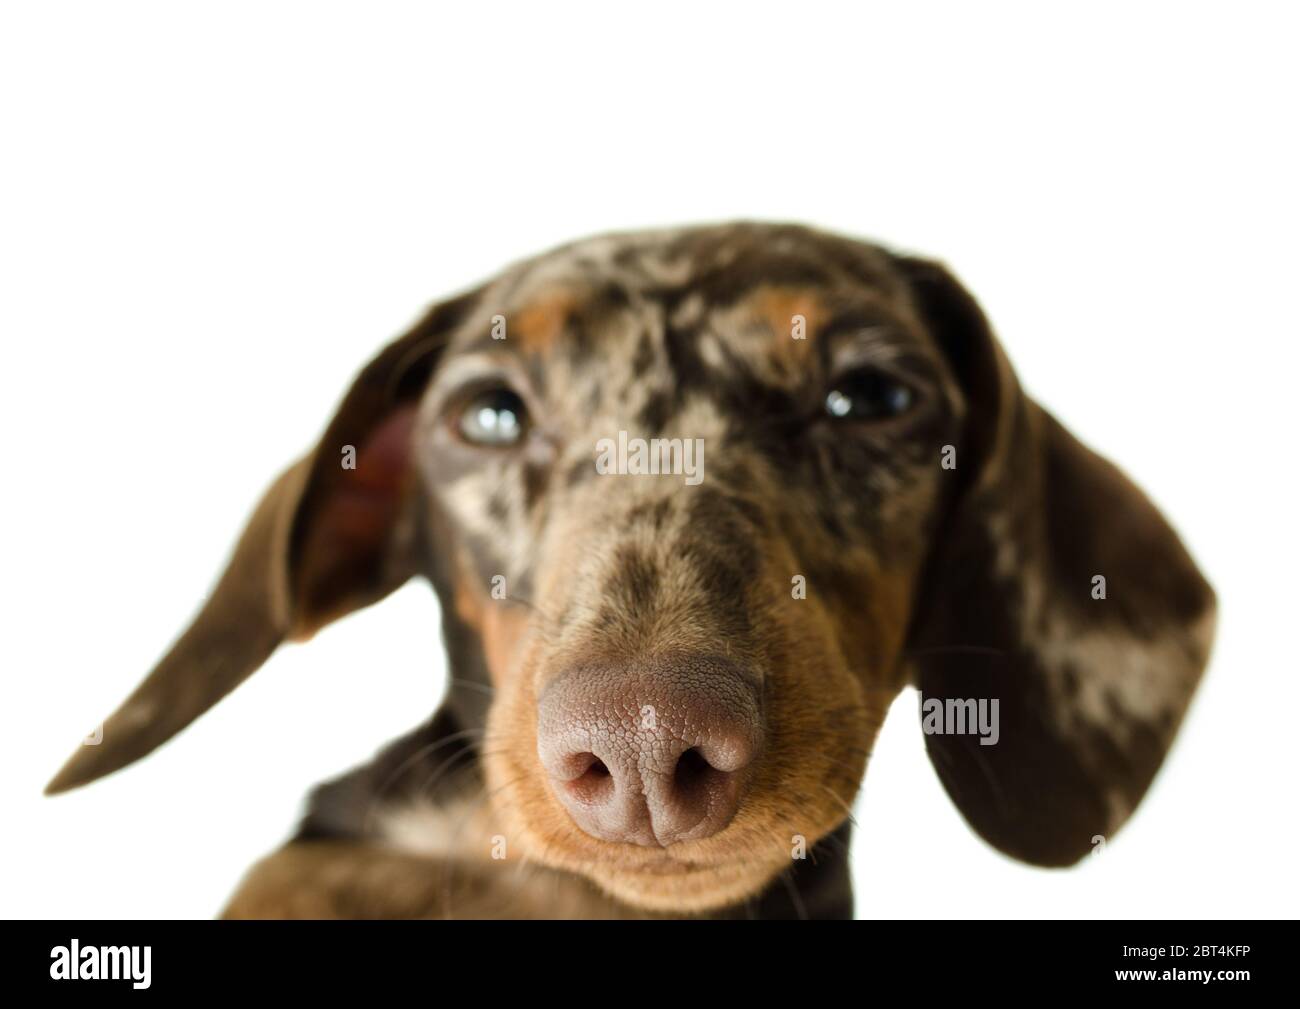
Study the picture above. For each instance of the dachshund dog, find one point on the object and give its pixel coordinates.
(698, 504)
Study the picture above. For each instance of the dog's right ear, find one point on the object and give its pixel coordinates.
(336, 531)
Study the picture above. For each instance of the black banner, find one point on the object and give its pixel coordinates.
(140, 959)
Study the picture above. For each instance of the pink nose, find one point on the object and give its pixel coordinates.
(652, 754)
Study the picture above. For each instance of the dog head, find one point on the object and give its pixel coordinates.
(698, 504)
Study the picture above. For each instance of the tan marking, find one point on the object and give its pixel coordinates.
(779, 306)
(502, 625)
(505, 629)
(538, 326)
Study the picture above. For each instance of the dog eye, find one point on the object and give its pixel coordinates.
(494, 418)
(868, 394)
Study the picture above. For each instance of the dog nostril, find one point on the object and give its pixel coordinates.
(691, 771)
(594, 785)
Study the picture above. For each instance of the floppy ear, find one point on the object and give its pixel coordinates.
(1091, 677)
(336, 531)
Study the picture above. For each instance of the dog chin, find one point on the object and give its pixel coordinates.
(684, 887)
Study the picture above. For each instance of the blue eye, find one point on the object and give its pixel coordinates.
(495, 418)
(868, 394)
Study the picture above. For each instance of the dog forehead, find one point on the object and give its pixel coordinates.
(780, 276)
(724, 261)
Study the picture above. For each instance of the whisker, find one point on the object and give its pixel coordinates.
(442, 769)
(787, 877)
(411, 761)
(829, 839)
(452, 863)
(836, 796)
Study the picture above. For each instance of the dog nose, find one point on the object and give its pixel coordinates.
(651, 755)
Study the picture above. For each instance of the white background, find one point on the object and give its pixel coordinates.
(211, 215)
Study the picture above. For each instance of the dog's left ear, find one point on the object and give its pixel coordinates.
(1057, 591)
(337, 531)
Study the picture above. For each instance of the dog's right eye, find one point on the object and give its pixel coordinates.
(495, 418)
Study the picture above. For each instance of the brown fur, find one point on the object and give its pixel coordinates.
(968, 582)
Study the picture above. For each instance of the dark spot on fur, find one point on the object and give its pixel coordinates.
(654, 415)
(498, 508)
(633, 584)
(725, 514)
(580, 472)
(644, 358)
(684, 362)
(737, 505)
(725, 576)
(755, 269)
(656, 513)
(536, 479)
(592, 317)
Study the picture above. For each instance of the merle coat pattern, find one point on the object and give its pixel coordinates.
(971, 579)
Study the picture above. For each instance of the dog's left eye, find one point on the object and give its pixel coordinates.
(868, 394)
(495, 418)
